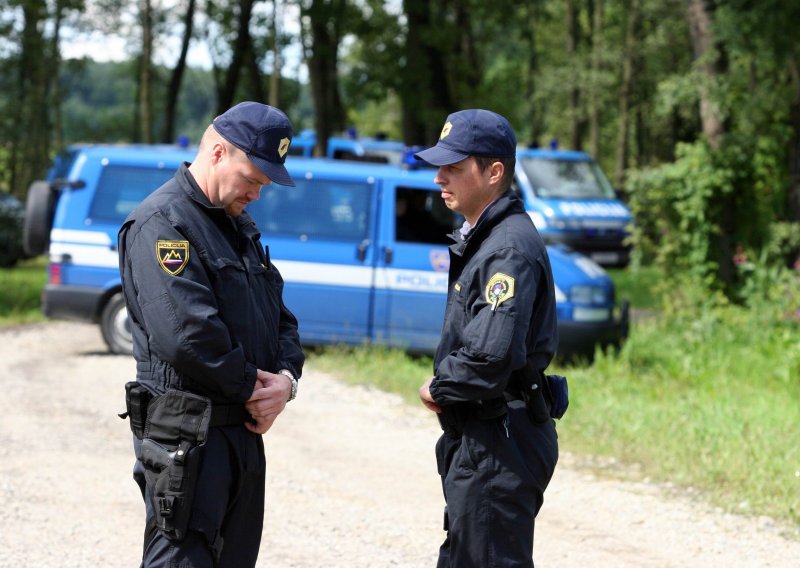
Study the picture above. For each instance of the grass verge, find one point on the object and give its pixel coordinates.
(21, 290)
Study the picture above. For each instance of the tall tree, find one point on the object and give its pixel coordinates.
(241, 47)
(30, 147)
(143, 121)
(573, 28)
(177, 75)
(323, 22)
(598, 23)
(710, 59)
(633, 9)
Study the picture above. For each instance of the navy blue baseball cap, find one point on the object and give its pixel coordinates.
(473, 132)
(262, 132)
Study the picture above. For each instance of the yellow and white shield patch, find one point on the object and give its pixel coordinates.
(173, 256)
(499, 289)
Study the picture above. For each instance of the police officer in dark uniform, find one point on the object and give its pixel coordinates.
(499, 448)
(217, 353)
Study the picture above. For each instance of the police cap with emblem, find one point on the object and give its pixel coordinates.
(473, 132)
(263, 133)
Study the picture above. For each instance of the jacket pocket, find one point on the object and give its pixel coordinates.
(489, 334)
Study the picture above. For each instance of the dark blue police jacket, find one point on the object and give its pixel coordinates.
(501, 309)
(204, 300)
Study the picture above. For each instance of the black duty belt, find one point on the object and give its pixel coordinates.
(228, 415)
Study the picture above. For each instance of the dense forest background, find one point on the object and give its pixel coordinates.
(691, 106)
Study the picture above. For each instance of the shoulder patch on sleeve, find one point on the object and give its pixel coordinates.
(173, 256)
(499, 289)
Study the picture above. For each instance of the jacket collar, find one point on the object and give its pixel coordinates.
(243, 222)
(499, 209)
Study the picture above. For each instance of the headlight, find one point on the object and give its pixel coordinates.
(588, 295)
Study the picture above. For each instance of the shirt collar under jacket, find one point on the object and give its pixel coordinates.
(466, 227)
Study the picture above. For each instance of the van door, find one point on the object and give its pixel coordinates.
(413, 259)
(318, 236)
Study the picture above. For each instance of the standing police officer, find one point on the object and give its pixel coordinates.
(499, 448)
(217, 352)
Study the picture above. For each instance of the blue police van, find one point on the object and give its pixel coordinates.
(362, 249)
(572, 203)
(569, 198)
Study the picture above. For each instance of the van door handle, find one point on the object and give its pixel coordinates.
(361, 251)
(388, 255)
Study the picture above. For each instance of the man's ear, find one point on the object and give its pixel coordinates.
(496, 171)
(218, 150)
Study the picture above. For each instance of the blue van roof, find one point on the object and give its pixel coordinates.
(571, 155)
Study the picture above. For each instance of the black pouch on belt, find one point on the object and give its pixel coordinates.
(172, 447)
(137, 399)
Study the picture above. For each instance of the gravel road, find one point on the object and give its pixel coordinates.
(351, 480)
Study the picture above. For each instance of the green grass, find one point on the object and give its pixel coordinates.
(391, 370)
(708, 400)
(20, 292)
(638, 286)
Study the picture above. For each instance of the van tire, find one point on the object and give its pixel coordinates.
(39, 209)
(116, 326)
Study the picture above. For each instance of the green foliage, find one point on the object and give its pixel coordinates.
(679, 214)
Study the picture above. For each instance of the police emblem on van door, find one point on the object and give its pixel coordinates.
(499, 289)
(173, 256)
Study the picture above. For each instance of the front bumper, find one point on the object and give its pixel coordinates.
(605, 251)
(579, 339)
(72, 302)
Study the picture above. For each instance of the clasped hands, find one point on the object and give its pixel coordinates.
(270, 394)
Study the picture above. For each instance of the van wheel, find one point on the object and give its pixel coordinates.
(116, 326)
(39, 209)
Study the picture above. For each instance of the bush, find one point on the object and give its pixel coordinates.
(12, 214)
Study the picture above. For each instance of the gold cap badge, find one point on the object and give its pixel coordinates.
(283, 147)
(446, 130)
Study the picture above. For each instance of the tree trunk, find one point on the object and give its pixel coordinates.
(426, 94)
(255, 79)
(241, 45)
(30, 148)
(794, 143)
(55, 67)
(712, 63)
(177, 76)
(626, 90)
(145, 74)
(574, 97)
(534, 115)
(275, 76)
(325, 17)
(598, 22)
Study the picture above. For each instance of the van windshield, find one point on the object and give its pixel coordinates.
(315, 208)
(566, 179)
(122, 188)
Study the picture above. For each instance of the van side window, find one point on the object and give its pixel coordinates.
(122, 188)
(422, 217)
(314, 208)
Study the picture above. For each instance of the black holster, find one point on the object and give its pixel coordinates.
(173, 434)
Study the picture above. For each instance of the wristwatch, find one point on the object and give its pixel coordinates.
(288, 373)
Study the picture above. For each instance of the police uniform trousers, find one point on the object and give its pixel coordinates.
(494, 477)
(227, 511)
